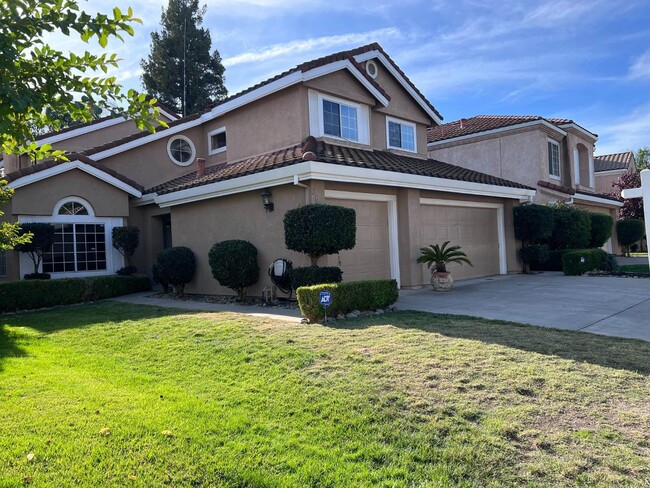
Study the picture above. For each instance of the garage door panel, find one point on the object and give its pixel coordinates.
(474, 229)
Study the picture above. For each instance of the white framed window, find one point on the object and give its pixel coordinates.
(3, 262)
(400, 135)
(553, 159)
(337, 118)
(181, 150)
(217, 141)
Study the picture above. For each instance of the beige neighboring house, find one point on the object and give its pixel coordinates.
(555, 156)
(610, 167)
(347, 129)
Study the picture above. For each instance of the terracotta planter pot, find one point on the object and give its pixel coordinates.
(441, 281)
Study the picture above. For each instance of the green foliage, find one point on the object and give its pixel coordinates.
(10, 234)
(176, 266)
(33, 294)
(318, 229)
(534, 254)
(158, 278)
(234, 265)
(314, 275)
(441, 256)
(38, 80)
(601, 229)
(180, 54)
(126, 240)
(629, 231)
(346, 297)
(575, 263)
(554, 261)
(127, 271)
(642, 158)
(610, 264)
(40, 243)
(632, 207)
(571, 228)
(533, 223)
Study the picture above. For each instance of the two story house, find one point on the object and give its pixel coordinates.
(554, 156)
(347, 129)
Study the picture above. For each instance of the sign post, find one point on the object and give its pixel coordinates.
(325, 301)
(643, 192)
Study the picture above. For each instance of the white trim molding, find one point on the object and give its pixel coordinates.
(80, 131)
(501, 223)
(68, 166)
(401, 123)
(317, 121)
(393, 236)
(596, 199)
(576, 165)
(212, 151)
(592, 176)
(577, 128)
(176, 137)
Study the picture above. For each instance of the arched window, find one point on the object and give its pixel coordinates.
(72, 208)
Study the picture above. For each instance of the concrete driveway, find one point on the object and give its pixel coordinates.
(602, 305)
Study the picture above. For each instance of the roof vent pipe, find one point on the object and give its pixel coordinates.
(200, 169)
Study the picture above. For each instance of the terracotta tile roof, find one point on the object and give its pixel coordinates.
(76, 126)
(36, 168)
(599, 195)
(482, 123)
(611, 162)
(570, 191)
(334, 154)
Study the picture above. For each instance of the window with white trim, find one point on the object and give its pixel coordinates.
(400, 135)
(217, 141)
(337, 118)
(181, 150)
(554, 159)
(3, 262)
(340, 120)
(77, 247)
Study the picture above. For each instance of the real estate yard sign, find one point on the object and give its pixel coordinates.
(643, 192)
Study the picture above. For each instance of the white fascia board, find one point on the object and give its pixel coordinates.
(396, 74)
(334, 172)
(167, 114)
(499, 130)
(147, 199)
(595, 199)
(611, 172)
(585, 132)
(64, 167)
(81, 131)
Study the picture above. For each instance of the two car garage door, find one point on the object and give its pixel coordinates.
(475, 229)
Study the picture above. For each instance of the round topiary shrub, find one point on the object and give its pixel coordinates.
(629, 231)
(176, 266)
(318, 229)
(571, 228)
(315, 275)
(234, 265)
(533, 223)
(601, 229)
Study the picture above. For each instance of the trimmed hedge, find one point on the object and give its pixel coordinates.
(554, 261)
(571, 229)
(534, 254)
(533, 223)
(346, 297)
(33, 294)
(578, 262)
(314, 275)
(234, 265)
(629, 231)
(175, 266)
(601, 229)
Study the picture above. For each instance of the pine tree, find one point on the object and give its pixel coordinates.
(180, 71)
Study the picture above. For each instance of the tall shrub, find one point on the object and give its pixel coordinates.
(42, 240)
(533, 227)
(601, 229)
(629, 231)
(571, 228)
(176, 266)
(234, 265)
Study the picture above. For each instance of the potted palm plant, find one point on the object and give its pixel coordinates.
(436, 258)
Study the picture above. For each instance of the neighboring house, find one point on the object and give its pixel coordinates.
(347, 129)
(608, 168)
(555, 156)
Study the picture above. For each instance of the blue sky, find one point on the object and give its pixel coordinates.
(587, 60)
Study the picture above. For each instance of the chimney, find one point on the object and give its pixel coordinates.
(200, 167)
(462, 123)
(309, 149)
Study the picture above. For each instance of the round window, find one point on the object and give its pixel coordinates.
(181, 150)
(371, 69)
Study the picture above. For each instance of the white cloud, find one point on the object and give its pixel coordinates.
(626, 132)
(641, 66)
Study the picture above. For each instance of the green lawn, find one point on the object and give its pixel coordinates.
(118, 395)
(635, 268)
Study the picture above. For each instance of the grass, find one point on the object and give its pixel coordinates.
(122, 395)
(635, 268)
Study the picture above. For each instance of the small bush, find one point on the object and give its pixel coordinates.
(533, 223)
(578, 262)
(554, 262)
(629, 231)
(346, 297)
(318, 229)
(315, 275)
(234, 265)
(176, 266)
(601, 229)
(127, 271)
(125, 240)
(571, 228)
(610, 264)
(37, 276)
(534, 254)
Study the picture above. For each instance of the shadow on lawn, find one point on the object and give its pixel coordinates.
(610, 352)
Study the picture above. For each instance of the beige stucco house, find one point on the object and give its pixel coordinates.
(555, 156)
(348, 129)
(608, 168)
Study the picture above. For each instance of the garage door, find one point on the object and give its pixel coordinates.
(370, 258)
(474, 229)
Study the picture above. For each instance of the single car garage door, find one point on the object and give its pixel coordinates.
(370, 258)
(474, 229)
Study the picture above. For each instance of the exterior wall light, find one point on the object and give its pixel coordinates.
(266, 200)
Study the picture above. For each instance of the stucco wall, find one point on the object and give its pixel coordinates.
(149, 220)
(604, 181)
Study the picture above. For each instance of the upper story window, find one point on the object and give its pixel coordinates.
(400, 134)
(217, 141)
(340, 120)
(181, 150)
(337, 118)
(72, 208)
(554, 159)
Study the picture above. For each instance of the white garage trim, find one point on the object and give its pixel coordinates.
(393, 241)
(501, 223)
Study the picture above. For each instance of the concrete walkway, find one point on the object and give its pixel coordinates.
(602, 305)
